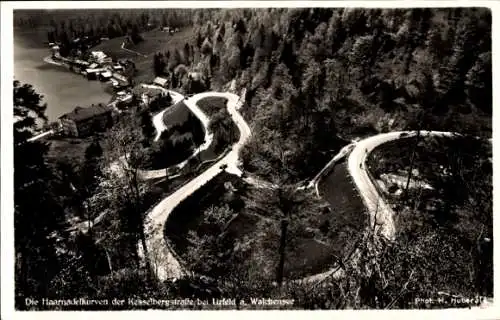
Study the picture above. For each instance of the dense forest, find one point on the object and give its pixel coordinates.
(65, 26)
(312, 74)
(315, 79)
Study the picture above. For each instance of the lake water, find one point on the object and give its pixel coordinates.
(62, 89)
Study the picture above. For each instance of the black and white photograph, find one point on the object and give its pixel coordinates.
(218, 156)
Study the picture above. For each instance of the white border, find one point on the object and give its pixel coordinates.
(7, 221)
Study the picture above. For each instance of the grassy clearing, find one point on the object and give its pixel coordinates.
(112, 48)
(154, 41)
(176, 114)
(211, 105)
(157, 41)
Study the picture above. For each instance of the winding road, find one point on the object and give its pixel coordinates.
(163, 262)
(192, 104)
(381, 214)
(158, 122)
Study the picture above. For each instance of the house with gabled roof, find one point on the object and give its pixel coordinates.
(82, 122)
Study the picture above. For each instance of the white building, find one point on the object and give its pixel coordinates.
(105, 75)
(95, 70)
(160, 81)
(100, 57)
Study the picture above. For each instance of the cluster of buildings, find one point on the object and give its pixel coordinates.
(103, 68)
(395, 183)
(98, 66)
(162, 82)
(83, 122)
(170, 30)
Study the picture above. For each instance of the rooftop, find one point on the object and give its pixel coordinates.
(161, 81)
(98, 54)
(80, 114)
(95, 70)
(106, 74)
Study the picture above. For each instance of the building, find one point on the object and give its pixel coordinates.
(93, 73)
(82, 122)
(160, 81)
(105, 76)
(121, 79)
(395, 184)
(123, 99)
(114, 82)
(100, 57)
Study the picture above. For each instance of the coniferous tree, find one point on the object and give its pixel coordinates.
(37, 210)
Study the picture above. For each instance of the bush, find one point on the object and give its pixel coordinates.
(161, 102)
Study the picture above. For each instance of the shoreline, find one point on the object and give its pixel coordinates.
(49, 60)
(30, 40)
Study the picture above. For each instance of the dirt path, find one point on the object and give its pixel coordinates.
(132, 51)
